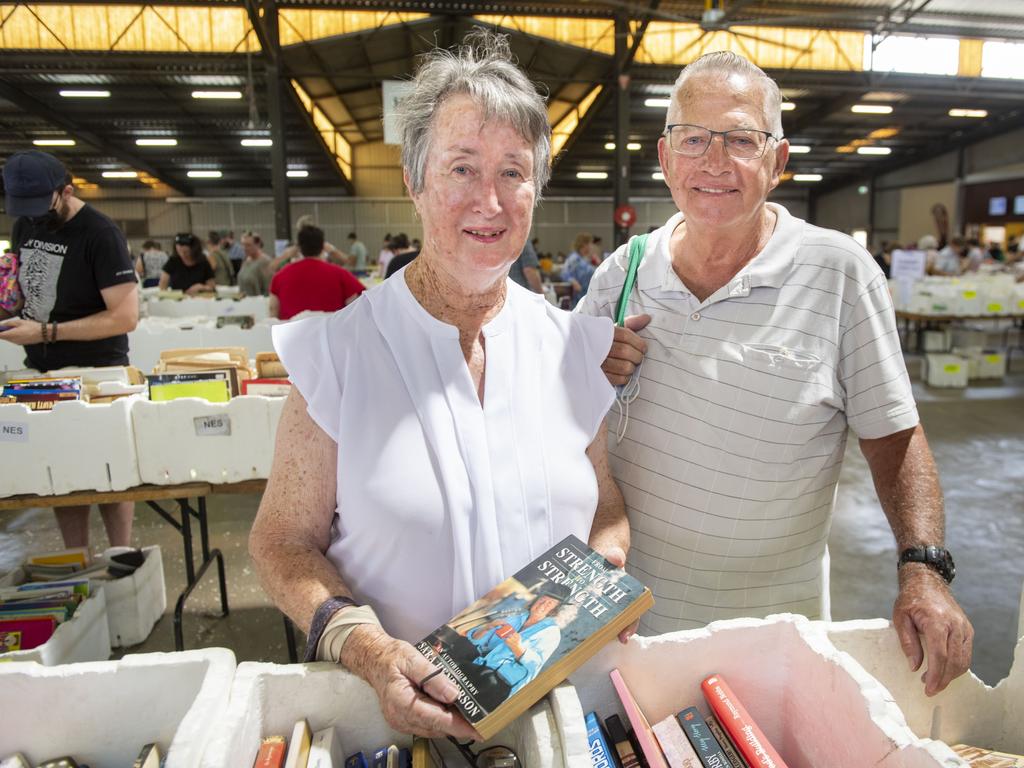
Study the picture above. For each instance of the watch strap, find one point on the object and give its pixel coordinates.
(323, 615)
(935, 557)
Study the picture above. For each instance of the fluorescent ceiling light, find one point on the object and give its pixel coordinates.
(799, 149)
(54, 142)
(787, 106)
(156, 142)
(874, 150)
(609, 145)
(257, 142)
(807, 177)
(120, 175)
(658, 176)
(79, 94)
(633, 146)
(204, 174)
(968, 113)
(871, 109)
(216, 94)
(592, 175)
(297, 174)
(663, 103)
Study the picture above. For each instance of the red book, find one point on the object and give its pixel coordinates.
(734, 718)
(271, 754)
(23, 634)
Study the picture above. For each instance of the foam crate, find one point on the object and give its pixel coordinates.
(83, 637)
(255, 339)
(77, 446)
(192, 440)
(983, 363)
(969, 337)
(967, 712)
(815, 704)
(257, 306)
(135, 603)
(937, 341)
(103, 713)
(945, 370)
(267, 700)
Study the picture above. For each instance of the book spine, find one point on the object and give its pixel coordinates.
(601, 754)
(271, 754)
(677, 748)
(737, 722)
(726, 743)
(704, 743)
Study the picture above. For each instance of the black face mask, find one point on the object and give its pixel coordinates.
(51, 220)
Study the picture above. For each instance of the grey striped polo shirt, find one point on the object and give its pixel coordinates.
(733, 448)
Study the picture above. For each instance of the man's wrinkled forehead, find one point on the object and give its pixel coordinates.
(697, 89)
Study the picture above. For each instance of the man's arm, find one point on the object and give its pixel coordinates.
(274, 306)
(926, 616)
(532, 275)
(120, 316)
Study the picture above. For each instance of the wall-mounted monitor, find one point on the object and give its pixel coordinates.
(997, 206)
(1018, 205)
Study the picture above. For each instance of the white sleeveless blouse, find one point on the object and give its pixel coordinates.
(440, 498)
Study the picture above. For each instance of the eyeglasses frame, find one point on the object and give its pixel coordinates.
(667, 133)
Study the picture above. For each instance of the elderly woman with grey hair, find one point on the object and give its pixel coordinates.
(448, 427)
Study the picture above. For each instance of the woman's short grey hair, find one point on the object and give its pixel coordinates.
(723, 64)
(484, 69)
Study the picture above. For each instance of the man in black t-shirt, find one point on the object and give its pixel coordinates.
(80, 295)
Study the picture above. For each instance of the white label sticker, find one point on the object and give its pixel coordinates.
(212, 425)
(13, 431)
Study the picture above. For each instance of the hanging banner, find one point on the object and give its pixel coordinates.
(392, 92)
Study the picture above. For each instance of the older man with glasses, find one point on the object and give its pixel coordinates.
(760, 339)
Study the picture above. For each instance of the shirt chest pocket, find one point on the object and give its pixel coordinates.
(776, 382)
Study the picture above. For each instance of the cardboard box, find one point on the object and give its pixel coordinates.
(103, 713)
(267, 700)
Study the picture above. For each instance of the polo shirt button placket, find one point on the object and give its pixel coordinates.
(695, 316)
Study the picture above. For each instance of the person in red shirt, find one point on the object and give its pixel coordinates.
(312, 283)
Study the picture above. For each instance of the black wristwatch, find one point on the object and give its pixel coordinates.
(321, 618)
(937, 558)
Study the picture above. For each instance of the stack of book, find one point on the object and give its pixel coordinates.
(43, 393)
(722, 735)
(323, 749)
(31, 613)
(149, 757)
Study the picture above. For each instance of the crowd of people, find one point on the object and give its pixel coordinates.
(958, 256)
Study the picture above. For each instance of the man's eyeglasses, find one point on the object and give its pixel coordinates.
(694, 140)
(489, 757)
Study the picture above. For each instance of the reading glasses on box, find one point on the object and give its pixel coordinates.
(498, 756)
(694, 140)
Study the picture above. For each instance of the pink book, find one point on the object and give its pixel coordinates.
(641, 728)
(677, 748)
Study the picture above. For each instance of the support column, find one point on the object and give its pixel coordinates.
(621, 188)
(275, 105)
(872, 246)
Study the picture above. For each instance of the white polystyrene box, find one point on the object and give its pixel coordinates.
(937, 341)
(255, 339)
(103, 713)
(136, 602)
(945, 370)
(12, 357)
(76, 446)
(83, 637)
(193, 440)
(967, 712)
(815, 704)
(268, 699)
(149, 339)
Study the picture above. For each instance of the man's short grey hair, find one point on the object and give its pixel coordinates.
(482, 68)
(723, 64)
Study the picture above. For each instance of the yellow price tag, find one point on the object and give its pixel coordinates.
(970, 294)
(1020, 304)
(993, 359)
(952, 368)
(995, 307)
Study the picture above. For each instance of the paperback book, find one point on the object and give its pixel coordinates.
(530, 632)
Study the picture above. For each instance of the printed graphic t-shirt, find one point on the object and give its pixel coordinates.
(61, 274)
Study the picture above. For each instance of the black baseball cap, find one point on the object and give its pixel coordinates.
(30, 179)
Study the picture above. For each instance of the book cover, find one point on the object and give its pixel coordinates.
(267, 387)
(75, 556)
(508, 649)
(17, 760)
(726, 743)
(358, 760)
(601, 755)
(271, 754)
(149, 757)
(380, 758)
(749, 739)
(988, 758)
(624, 751)
(214, 386)
(704, 743)
(644, 735)
(392, 757)
(405, 758)
(677, 748)
(298, 747)
(421, 754)
(325, 750)
(25, 633)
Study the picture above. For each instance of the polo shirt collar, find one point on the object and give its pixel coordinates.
(769, 268)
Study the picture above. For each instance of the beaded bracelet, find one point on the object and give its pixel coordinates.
(53, 331)
(46, 337)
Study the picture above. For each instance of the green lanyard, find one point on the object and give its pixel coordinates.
(637, 245)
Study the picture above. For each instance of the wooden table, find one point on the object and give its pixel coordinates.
(151, 495)
(921, 322)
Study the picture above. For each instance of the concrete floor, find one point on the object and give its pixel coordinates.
(977, 436)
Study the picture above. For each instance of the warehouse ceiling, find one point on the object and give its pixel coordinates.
(152, 57)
